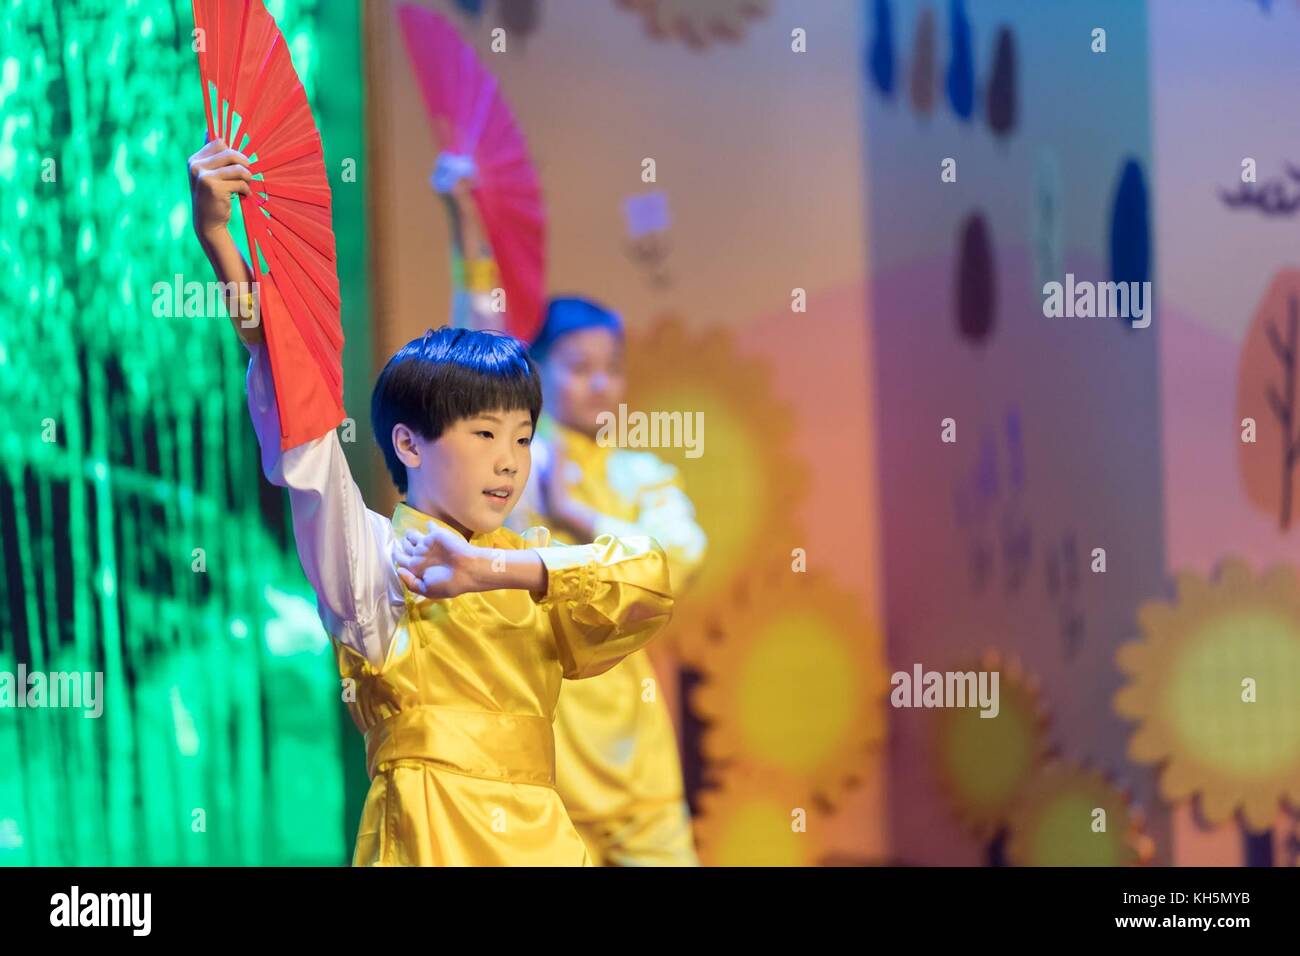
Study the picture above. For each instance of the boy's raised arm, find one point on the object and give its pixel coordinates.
(345, 549)
(473, 269)
(217, 174)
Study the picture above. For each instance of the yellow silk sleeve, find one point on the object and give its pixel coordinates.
(603, 600)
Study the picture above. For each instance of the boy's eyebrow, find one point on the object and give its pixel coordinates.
(526, 420)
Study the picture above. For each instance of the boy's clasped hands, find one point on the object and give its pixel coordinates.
(439, 563)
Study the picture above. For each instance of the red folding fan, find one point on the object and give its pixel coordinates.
(466, 107)
(256, 103)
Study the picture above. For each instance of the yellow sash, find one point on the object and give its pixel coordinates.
(514, 747)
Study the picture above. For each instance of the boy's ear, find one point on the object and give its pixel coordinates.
(404, 443)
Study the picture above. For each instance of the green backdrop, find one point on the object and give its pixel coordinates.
(139, 537)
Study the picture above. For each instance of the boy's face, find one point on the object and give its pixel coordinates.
(583, 377)
(472, 475)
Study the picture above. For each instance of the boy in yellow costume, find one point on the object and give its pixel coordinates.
(617, 764)
(452, 633)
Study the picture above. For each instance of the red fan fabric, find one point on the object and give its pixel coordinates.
(256, 103)
(464, 99)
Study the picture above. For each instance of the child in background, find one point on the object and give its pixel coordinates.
(452, 633)
(616, 754)
(617, 765)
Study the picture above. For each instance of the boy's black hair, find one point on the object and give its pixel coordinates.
(444, 376)
(568, 314)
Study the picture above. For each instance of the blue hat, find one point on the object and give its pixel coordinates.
(567, 315)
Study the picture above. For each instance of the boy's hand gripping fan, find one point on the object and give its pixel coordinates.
(470, 118)
(256, 104)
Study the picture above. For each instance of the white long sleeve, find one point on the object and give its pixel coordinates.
(663, 511)
(346, 549)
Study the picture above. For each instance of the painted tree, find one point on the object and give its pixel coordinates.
(1267, 395)
(1130, 227)
(1047, 227)
(698, 23)
(923, 64)
(880, 59)
(1002, 93)
(976, 286)
(961, 64)
(520, 17)
(1271, 198)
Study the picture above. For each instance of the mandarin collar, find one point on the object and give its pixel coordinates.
(406, 518)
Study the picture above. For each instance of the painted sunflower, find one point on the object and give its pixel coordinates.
(983, 763)
(1067, 815)
(1215, 692)
(747, 482)
(797, 684)
(759, 819)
